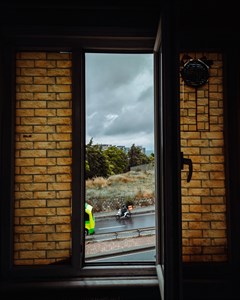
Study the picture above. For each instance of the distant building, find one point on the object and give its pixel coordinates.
(124, 148)
(105, 146)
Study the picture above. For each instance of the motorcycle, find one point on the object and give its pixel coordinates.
(123, 213)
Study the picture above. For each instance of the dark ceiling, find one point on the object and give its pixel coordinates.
(116, 18)
(81, 13)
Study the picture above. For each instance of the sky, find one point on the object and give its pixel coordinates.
(119, 99)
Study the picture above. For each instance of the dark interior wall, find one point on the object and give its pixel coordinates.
(206, 24)
(42, 291)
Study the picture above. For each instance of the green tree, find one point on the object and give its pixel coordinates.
(137, 157)
(151, 157)
(118, 160)
(97, 163)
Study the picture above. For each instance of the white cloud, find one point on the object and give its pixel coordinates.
(119, 99)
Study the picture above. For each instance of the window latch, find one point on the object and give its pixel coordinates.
(187, 161)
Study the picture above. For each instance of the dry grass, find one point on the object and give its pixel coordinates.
(136, 187)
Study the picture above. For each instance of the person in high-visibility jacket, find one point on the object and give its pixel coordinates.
(89, 219)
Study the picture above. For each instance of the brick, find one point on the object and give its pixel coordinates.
(214, 233)
(33, 202)
(50, 161)
(59, 88)
(44, 80)
(32, 254)
(63, 80)
(31, 55)
(33, 237)
(59, 121)
(59, 202)
(23, 178)
(58, 253)
(45, 112)
(64, 211)
(33, 121)
(33, 187)
(23, 229)
(59, 104)
(59, 220)
(33, 72)
(64, 64)
(44, 195)
(24, 212)
(44, 129)
(44, 178)
(63, 228)
(45, 64)
(59, 137)
(24, 162)
(33, 153)
(44, 145)
(44, 211)
(23, 195)
(58, 153)
(58, 56)
(58, 72)
(63, 245)
(44, 245)
(64, 112)
(64, 96)
(58, 236)
(59, 169)
(34, 88)
(24, 129)
(33, 104)
(33, 170)
(62, 186)
(44, 96)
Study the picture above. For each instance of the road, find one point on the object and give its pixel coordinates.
(110, 224)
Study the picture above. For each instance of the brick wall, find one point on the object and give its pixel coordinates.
(202, 140)
(42, 158)
(43, 162)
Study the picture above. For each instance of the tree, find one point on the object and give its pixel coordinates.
(118, 160)
(137, 157)
(151, 157)
(97, 163)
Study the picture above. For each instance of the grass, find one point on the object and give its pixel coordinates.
(134, 187)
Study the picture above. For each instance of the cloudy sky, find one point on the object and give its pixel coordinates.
(119, 99)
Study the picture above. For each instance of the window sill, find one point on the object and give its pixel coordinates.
(88, 277)
(96, 287)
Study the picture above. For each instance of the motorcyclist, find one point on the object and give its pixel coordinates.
(124, 209)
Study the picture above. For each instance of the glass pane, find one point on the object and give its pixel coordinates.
(42, 228)
(120, 158)
(202, 140)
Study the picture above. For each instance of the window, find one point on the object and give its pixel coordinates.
(120, 166)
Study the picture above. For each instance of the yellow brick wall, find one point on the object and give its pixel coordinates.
(42, 158)
(202, 140)
(42, 229)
